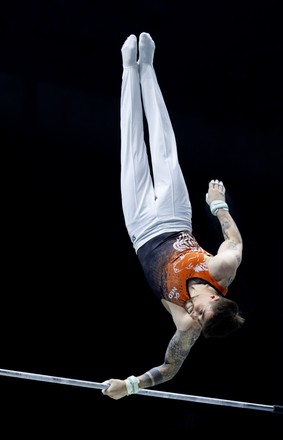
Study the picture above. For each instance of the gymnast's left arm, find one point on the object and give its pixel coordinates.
(177, 351)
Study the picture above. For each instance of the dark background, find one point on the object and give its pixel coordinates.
(74, 302)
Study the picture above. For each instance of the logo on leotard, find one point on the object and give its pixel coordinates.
(174, 293)
(186, 241)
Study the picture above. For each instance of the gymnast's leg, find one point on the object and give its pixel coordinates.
(173, 207)
(136, 183)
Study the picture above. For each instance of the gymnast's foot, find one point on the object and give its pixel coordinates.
(129, 51)
(146, 49)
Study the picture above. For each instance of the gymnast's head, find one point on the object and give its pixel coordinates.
(217, 315)
(224, 319)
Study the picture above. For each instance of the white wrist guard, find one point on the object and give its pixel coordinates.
(132, 384)
(218, 204)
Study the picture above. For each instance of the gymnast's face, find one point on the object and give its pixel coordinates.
(200, 307)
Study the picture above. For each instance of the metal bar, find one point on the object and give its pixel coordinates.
(143, 392)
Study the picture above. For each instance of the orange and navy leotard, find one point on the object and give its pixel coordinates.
(169, 261)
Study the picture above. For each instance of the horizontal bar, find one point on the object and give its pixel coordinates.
(52, 379)
(143, 392)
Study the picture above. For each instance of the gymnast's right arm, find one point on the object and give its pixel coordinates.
(177, 351)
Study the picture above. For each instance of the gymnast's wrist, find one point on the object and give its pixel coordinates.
(215, 205)
(132, 385)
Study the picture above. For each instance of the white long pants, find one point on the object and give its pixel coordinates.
(150, 207)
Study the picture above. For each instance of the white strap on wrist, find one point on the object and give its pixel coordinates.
(132, 384)
(218, 204)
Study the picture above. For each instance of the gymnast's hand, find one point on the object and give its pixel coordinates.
(116, 388)
(216, 191)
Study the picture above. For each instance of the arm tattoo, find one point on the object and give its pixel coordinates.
(225, 225)
(156, 376)
(177, 351)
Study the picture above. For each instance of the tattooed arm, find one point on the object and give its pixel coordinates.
(177, 351)
(224, 265)
(232, 237)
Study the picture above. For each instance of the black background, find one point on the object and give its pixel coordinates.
(74, 302)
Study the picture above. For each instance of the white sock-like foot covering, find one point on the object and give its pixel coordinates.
(146, 49)
(129, 51)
